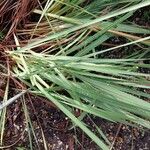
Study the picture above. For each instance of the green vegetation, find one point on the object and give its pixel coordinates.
(66, 62)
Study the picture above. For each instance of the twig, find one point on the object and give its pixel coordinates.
(116, 137)
(11, 100)
(8, 146)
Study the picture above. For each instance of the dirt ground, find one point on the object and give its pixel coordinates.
(58, 131)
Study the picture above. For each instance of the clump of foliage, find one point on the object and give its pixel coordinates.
(60, 55)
